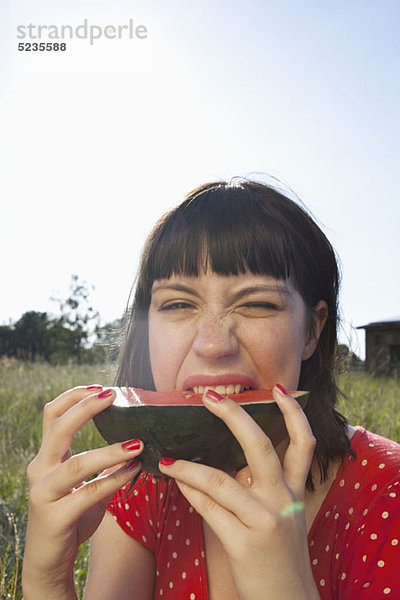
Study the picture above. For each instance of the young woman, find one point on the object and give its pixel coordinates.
(237, 289)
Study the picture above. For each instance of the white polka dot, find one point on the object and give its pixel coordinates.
(129, 524)
(343, 576)
(389, 452)
(161, 496)
(381, 563)
(183, 574)
(161, 592)
(347, 526)
(364, 462)
(177, 523)
(126, 506)
(202, 553)
(364, 558)
(393, 494)
(327, 548)
(341, 482)
(373, 487)
(382, 466)
(168, 565)
(373, 536)
(174, 555)
(187, 542)
(371, 445)
(394, 542)
(365, 512)
(322, 582)
(191, 509)
(366, 585)
(196, 562)
(174, 507)
(147, 498)
(151, 522)
(328, 514)
(387, 590)
(357, 485)
(171, 585)
(144, 538)
(337, 555)
(385, 514)
(351, 510)
(315, 561)
(192, 596)
(169, 537)
(137, 513)
(312, 543)
(336, 516)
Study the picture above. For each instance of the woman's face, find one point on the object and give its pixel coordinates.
(228, 332)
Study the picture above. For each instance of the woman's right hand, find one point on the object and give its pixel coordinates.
(64, 509)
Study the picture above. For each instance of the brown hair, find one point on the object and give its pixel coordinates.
(233, 228)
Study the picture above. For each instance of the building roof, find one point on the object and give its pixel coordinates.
(393, 323)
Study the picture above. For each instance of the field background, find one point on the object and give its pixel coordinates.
(25, 388)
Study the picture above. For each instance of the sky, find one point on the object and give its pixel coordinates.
(98, 140)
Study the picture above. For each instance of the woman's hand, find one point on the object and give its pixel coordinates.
(64, 509)
(261, 525)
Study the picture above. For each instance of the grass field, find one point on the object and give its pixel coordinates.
(24, 390)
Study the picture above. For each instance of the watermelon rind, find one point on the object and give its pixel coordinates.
(189, 432)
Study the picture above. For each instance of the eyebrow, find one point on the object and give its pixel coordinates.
(253, 289)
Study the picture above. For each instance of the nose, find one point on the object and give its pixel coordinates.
(215, 337)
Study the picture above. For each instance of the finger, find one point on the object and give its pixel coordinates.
(56, 408)
(59, 436)
(219, 488)
(256, 445)
(98, 492)
(78, 468)
(300, 452)
(225, 524)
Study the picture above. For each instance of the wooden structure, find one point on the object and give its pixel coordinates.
(382, 347)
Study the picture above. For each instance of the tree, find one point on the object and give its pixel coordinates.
(78, 315)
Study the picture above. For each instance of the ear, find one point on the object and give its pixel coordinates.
(320, 315)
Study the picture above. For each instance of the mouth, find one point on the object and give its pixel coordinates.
(230, 389)
(224, 383)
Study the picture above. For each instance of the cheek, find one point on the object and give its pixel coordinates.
(167, 347)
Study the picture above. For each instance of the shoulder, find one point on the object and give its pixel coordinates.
(376, 460)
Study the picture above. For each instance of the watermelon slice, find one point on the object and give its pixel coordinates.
(177, 425)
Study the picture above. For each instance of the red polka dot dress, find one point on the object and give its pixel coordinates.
(354, 541)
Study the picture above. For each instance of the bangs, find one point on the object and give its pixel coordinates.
(225, 229)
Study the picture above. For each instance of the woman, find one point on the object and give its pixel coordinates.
(237, 287)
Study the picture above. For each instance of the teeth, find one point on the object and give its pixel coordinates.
(221, 389)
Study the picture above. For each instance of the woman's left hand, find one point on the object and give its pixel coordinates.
(262, 527)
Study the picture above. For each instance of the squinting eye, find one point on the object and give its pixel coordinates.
(261, 305)
(176, 306)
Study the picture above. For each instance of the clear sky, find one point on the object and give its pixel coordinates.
(97, 141)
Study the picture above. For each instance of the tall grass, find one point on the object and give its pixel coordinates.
(25, 389)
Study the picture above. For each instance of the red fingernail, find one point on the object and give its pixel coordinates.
(132, 464)
(104, 394)
(94, 387)
(213, 396)
(167, 461)
(282, 389)
(131, 445)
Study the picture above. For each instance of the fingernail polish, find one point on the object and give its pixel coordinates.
(131, 445)
(167, 461)
(104, 394)
(132, 464)
(94, 387)
(282, 389)
(213, 396)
